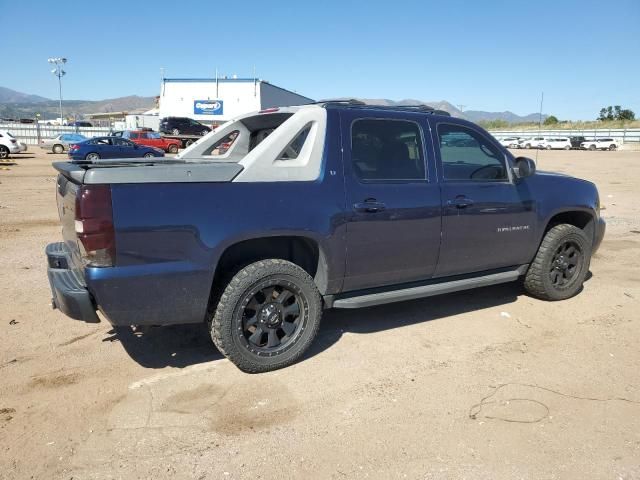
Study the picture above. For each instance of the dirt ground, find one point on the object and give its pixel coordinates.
(485, 384)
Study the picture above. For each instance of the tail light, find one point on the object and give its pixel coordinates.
(94, 225)
(74, 147)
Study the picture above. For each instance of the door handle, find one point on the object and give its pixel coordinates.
(369, 206)
(461, 202)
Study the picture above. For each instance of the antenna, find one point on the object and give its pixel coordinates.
(255, 82)
(539, 124)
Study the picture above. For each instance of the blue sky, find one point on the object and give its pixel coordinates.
(491, 56)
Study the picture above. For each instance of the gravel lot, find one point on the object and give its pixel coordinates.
(485, 384)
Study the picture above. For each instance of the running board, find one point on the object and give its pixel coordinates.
(413, 293)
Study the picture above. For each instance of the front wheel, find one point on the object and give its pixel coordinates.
(612, 147)
(567, 147)
(148, 155)
(175, 131)
(173, 149)
(548, 147)
(4, 152)
(204, 132)
(561, 264)
(592, 148)
(267, 316)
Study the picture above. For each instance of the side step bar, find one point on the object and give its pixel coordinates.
(368, 300)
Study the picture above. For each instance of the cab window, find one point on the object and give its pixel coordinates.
(390, 150)
(468, 155)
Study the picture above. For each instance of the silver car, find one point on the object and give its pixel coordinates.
(61, 143)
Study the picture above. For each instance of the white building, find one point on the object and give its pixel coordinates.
(215, 101)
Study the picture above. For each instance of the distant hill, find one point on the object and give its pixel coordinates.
(15, 104)
(11, 96)
(21, 105)
(473, 115)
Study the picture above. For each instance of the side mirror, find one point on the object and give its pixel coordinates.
(524, 167)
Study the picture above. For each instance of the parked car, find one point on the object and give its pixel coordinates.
(600, 144)
(576, 142)
(532, 142)
(332, 205)
(560, 143)
(8, 144)
(81, 124)
(111, 147)
(61, 143)
(182, 126)
(152, 139)
(510, 142)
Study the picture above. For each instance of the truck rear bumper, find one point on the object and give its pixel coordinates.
(69, 294)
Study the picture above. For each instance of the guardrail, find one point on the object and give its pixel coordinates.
(624, 135)
(32, 133)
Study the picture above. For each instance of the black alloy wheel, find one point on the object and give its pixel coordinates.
(267, 315)
(271, 317)
(566, 261)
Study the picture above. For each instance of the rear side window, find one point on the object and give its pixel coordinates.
(387, 150)
(468, 156)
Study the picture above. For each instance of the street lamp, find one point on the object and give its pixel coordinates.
(59, 72)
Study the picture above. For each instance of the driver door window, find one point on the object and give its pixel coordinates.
(468, 156)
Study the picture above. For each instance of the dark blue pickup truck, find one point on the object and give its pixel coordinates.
(277, 215)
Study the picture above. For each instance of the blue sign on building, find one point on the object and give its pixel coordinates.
(207, 107)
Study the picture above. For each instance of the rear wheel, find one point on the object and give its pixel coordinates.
(561, 264)
(612, 147)
(4, 152)
(173, 148)
(592, 147)
(188, 143)
(175, 131)
(92, 156)
(567, 147)
(548, 147)
(528, 145)
(57, 149)
(267, 316)
(204, 132)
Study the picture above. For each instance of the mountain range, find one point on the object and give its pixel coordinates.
(15, 104)
(473, 115)
(21, 105)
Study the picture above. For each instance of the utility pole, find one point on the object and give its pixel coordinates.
(461, 107)
(59, 72)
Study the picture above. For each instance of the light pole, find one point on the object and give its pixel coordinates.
(59, 72)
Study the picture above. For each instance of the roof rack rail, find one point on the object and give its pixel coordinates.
(352, 102)
(340, 101)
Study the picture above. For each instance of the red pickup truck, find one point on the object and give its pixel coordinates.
(152, 139)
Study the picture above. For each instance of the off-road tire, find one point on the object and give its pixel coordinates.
(57, 149)
(226, 327)
(538, 281)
